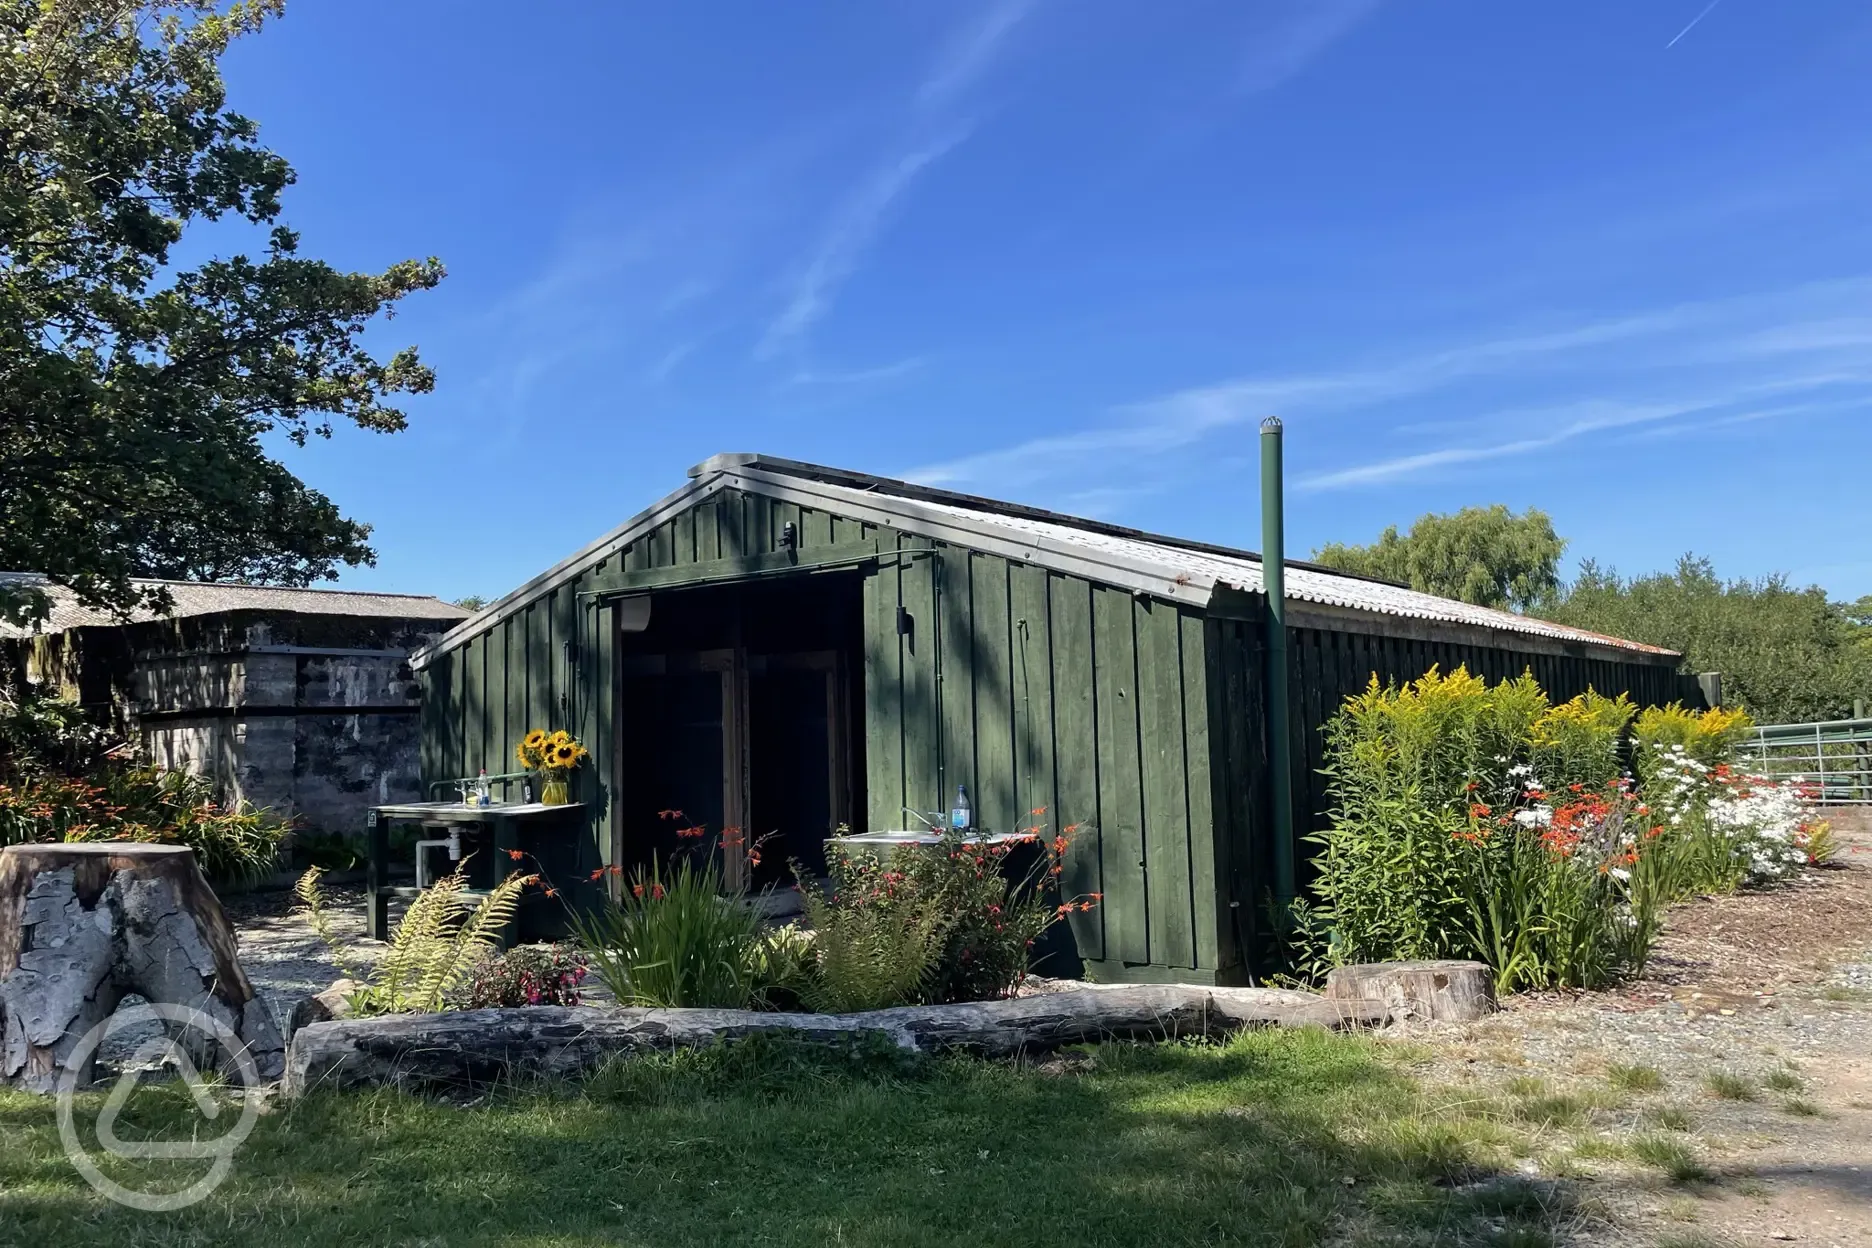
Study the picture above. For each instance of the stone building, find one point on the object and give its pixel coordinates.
(299, 700)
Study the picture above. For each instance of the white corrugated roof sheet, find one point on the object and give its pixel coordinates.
(1205, 568)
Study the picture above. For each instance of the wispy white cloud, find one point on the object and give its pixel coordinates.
(933, 132)
(1697, 361)
(1566, 425)
(1288, 36)
(970, 51)
(857, 376)
(853, 228)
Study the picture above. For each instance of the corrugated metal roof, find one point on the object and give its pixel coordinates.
(204, 598)
(1204, 568)
(1175, 568)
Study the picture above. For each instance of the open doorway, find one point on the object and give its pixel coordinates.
(739, 709)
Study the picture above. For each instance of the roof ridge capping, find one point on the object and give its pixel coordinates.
(730, 462)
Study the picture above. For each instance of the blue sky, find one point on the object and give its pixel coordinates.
(1609, 258)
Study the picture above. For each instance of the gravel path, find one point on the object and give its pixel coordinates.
(1756, 1025)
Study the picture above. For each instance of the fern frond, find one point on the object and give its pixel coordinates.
(456, 953)
(312, 899)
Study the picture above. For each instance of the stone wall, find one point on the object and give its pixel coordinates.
(311, 716)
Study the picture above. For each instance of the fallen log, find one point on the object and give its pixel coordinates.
(1452, 991)
(82, 925)
(472, 1047)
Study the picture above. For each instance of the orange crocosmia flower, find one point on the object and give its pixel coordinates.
(516, 854)
(1038, 810)
(552, 892)
(598, 874)
(657, 892)
(636, 890)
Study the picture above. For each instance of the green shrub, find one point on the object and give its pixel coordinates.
(1445, 844)
(1709, 737)
(41, 735)
(672, 939)
(936, 923)
(442, 938)
(234, 844)
(526, 975)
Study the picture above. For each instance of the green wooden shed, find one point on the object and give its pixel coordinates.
(788, 649)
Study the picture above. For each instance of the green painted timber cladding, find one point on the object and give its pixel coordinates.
(1058, 702)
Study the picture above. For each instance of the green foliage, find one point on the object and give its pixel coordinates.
(526, 975)
(441, 939)
(42, 734)
(1636, 1077)
(944, 922)
(234, 844)
(1729, 1086)
(1787, 655)
(867, 956)
(1674, 1157)
(672, 939)
(1401, 873)
(1484, 555)
(1707, 737)
(136, 397)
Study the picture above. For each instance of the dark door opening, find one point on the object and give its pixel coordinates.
(796, 774)
(739, 707)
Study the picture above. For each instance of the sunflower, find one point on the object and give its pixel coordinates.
(562, 737)
(534, 740)
(565, 754)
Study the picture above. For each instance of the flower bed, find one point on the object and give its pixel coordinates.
(1481, 821)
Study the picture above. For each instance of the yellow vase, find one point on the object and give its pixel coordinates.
(553, 792)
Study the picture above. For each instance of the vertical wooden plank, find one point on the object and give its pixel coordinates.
(684, 539)
(955, 686)
(458, 739)
(996, 783)
(884, 704)
(922, 723)
(1035, 788)
(1127, 914)
(762, 533)
(1206, 900)
(1076, 751)
(816, 528)
(539, 699)
(566, 660)
(708, 529)
(1164, 777)
(603, 641)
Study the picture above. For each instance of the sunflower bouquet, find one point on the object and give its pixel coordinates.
(554, 755)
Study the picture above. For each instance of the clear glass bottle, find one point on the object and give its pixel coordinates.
(961, 815)
(483, 796)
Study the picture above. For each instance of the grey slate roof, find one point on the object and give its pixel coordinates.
(203, 598)
(1168, 567)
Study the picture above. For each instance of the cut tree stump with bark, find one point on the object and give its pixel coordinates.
(473, 1047)
(82, 925)
(1454, 991)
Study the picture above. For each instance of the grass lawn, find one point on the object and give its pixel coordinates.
(1274, 1137)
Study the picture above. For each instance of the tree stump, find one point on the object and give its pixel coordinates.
(1455, 991)
(82, 925)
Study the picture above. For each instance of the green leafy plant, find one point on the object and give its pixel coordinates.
(442, 937)
(526, 975)
(672, 939)
(955, 920)
(868, 957)
(234, 843)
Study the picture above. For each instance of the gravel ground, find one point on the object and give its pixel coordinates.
(1756, 1019)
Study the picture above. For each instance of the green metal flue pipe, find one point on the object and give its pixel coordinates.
(1279, 730)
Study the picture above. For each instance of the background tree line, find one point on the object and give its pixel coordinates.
(1787, 653)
